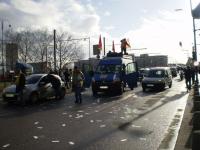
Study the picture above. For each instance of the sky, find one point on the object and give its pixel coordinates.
(155, 27)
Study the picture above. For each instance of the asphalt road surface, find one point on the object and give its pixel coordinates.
(134, 121)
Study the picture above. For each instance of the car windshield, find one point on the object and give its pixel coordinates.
(32, 79)
(156, 73)
(102, 69)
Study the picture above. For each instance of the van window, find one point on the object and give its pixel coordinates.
(130, 68)
(102, 69)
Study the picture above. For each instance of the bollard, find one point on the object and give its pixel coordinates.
(196, 92)
(196, 120)
(196, 106)
(196, 97)
(195, 140)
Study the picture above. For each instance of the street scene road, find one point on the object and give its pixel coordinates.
(136, 120)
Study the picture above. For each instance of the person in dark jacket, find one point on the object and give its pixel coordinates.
(188, 77)
(67, 78)
(56, 84)
(20, 85)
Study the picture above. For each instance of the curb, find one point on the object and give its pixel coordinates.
(184, 140)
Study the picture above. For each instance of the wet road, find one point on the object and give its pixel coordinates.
(133, 121)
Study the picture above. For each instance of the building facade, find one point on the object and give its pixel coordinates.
(145, 60)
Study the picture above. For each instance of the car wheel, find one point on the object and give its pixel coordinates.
(121, 90)
(62, 93)
(34, 98)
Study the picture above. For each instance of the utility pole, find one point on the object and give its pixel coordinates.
(104, 46)
(54, 50)
(60, 56)
(2, 53)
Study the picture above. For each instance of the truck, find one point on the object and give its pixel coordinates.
(114, 72)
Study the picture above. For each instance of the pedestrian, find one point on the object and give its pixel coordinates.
(188, 76)
(77, 84)
(70, 77)
(56, 85)
(20, 85)
(67, 78)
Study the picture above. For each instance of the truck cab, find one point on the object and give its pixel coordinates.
(114, 73)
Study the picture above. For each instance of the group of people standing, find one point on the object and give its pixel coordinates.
(74, 79)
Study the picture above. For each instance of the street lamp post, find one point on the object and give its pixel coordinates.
(195, 45)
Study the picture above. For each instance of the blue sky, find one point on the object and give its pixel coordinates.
(151, 24)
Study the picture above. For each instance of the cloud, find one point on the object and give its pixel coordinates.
(108, 28)
(107, 13)
(162, 33)
(66, 14)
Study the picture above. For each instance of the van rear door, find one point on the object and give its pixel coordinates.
(131, 75)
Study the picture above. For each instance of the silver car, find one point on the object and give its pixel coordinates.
(157, 77)
(37, 87)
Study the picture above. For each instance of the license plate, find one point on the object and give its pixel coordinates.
(103, 87)
(10, 95)
(150, 85)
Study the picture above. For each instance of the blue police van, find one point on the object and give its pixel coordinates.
(114, 72)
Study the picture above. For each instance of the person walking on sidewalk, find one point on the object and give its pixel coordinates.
(188, 77)
(77, 84)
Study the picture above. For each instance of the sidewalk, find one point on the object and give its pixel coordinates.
(184, 140)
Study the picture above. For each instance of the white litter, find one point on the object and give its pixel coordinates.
(7, 145)
(135, 126)
(123, 140)
(143, 139)
(71, 143)
(91, 121)
(80, 111)
(37, 122)
(40, 127)
(87, 113)
(63, 124)
(35, 137)
(55, 141)
(70, 116)
(98, 120)
(96, 111)
(64, 113)
(102, 126)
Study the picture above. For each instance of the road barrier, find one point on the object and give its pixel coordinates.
(196, 118)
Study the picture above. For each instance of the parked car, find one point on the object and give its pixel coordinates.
(37, 87)
(158, 77)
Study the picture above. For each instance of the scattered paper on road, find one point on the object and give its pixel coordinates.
(55, 141)
(40, 127)
(63, 124)
(91, 121)
(37, 122)
(35, 137)
(71, 143)
(123, 140)
(102, 126)
(6, 145)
